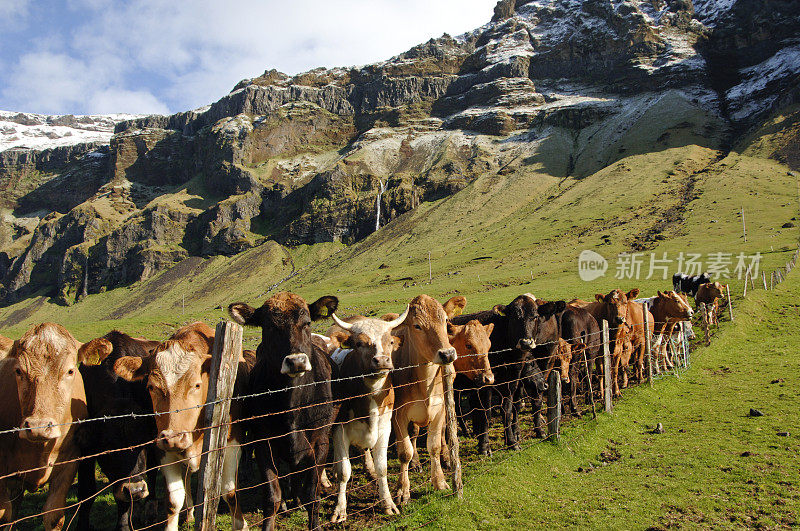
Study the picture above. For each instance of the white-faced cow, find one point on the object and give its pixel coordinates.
(41, 393)
(292, 424)
(177, 373)
(365, 418)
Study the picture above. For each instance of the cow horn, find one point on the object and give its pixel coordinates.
(346, 326)
(397, 322)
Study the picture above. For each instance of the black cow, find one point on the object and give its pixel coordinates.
(518, 328)
(683, 283)
(109, 395)
(292, 424)
(578, 326)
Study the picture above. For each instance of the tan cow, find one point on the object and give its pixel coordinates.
(419, 396)
(41, 392)
(709, 294)
(177, 373)
(472, 345)
(5, 346)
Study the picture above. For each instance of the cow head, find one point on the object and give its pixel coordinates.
(562, 358)
(425, 329)
(674, 305)
(714, 290)
(373, 344)
(45, 361)
(615, 305)
(177, 373)
(285, 321)
(526, 317)
(472, 344)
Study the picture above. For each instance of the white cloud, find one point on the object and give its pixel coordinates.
(192, 52)
(57, 83)
(13, 13)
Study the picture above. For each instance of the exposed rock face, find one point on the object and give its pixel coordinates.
(568, 86)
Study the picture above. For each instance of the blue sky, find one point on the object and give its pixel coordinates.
(149, 56)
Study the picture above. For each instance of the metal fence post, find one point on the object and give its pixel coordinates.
(553, 405)
(607, 391)
(448, 375)
(224, 365)
(647, 351)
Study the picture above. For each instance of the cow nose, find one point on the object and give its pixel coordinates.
(169, 440)
(526, 344)
(382, 363)
(136, 490)
(488, 379)
(39, 429)
(295, 364)
(446, 355)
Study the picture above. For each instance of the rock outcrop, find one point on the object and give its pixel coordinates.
(566, 86)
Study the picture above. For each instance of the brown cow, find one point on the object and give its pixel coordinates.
(626, 331)
(472, 345)
(5, 346)
(709, 294)
(41, 392)
(177, 373)
(668, 309)
(419, 396)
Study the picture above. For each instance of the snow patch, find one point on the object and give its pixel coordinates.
(785, 63)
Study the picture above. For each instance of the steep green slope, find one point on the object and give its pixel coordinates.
(509, 231)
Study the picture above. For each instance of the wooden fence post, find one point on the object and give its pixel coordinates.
(553, 405)
(685, 343)
(764, 280)
(449, 374)
(705, 322)
(772, 281)
(606, 369)
(224, 364)
(730, 302)
(647, 351)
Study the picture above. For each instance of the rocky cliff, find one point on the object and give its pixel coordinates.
(566, 86)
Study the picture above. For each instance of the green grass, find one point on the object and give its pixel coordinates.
(714, 467)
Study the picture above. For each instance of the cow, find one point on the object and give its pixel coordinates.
(5, 346)
(121, 442)
(708, 294)
(365, 416)
(626, 331)
(177, 374)
(292, 424)
(668, 309)
(518, 327)
(579, 328)
(683, 283)
(42, 394)
(419, 395)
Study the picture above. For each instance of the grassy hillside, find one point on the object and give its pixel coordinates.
(713, 467)
(515, 230)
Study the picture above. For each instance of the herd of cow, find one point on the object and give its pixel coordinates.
(124, 403)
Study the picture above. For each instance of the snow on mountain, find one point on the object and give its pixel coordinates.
(746, 97)
(38, 131)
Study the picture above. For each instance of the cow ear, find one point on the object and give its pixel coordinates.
(131, 368)
(550, 308)
(244, 314)
(342, 337)
(455, 306)
(660, 294)
(599, 297)
(499, 309)
(95, 351)
(451, 329)
(398, 342)
(323, 307)
(632, 293)
(489, 327)
(206, 366)
(389, 317)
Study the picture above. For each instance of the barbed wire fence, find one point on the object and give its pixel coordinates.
(669, 356)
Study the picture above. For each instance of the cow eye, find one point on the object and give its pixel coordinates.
(197, 386)
(70, 372)
(418, 327)
(150, 388)
(18, 371)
